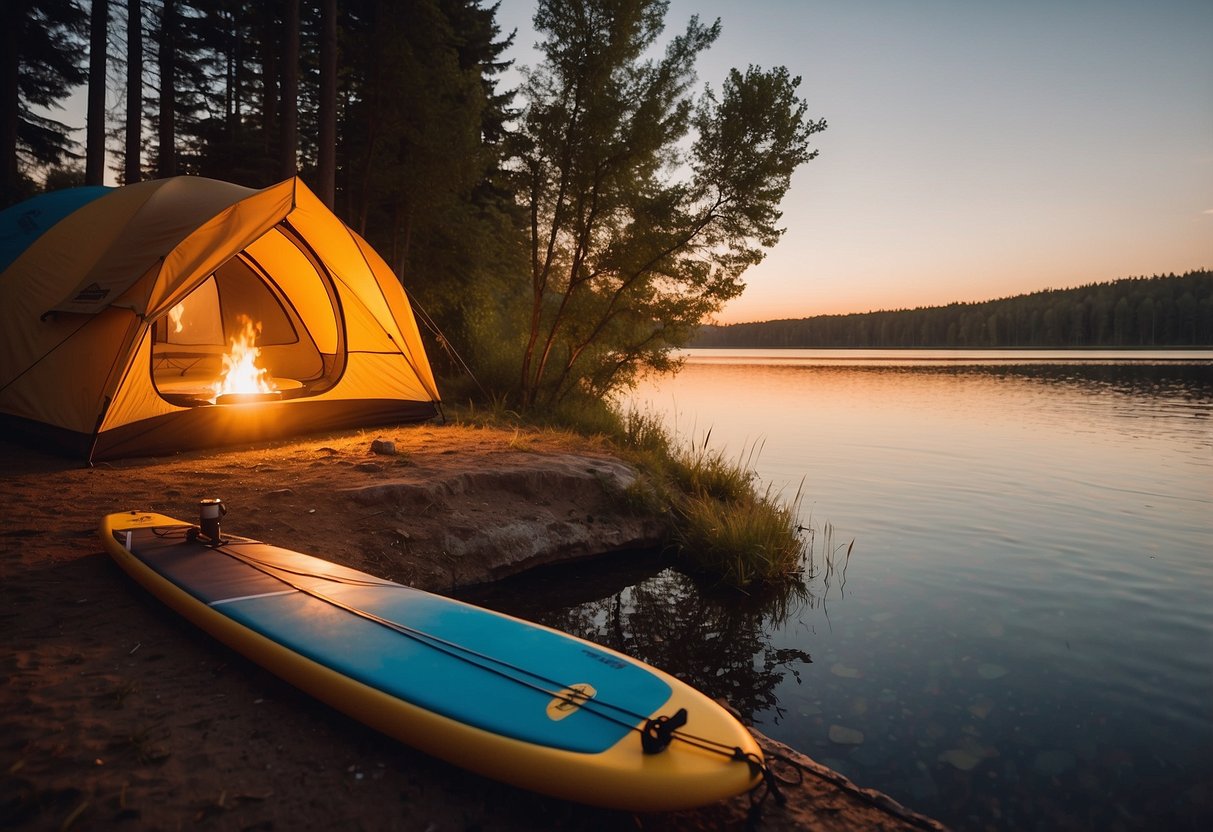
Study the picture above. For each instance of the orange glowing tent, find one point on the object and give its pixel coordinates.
(120, 307)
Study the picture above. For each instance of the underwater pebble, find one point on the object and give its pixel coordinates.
(846, 672)
(845, 736)
(967, 754)
(981, 708)
(961, 758)
(991, 671)
(870, 756)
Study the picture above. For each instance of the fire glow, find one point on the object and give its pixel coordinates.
(242, 379)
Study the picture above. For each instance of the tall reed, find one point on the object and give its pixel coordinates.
(723, 524)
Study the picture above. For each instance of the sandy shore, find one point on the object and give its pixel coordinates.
(118, 714)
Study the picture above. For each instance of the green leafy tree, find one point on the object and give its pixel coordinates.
(646, 204)
(40, 49)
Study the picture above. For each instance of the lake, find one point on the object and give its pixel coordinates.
(1007, 616)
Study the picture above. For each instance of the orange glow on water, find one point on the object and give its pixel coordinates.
(241, 374)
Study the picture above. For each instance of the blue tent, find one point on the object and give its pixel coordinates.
(23, 223)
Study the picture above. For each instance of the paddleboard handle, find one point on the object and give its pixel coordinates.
(659, 731)
(210, 510)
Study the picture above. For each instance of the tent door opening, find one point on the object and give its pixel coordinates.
(274, 320)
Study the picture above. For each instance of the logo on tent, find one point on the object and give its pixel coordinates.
(91, 294)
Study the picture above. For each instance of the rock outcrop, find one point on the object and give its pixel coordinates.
(526, 511)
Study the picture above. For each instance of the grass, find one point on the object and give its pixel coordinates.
(750, 540)
(722, 523)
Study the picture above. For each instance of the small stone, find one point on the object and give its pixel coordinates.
(961, 758)
(981, 708)
(386, 447)
(991, 671)
(846, 672)
(845, 736)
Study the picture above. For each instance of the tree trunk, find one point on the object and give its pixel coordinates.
(231, 44)
(237, 79)
(270, 77)
(11, 22)
(94, 152)
(327, 152)
(287, 147)
(168, 93)
(132, 171)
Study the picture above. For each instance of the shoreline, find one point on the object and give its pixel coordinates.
(117, 712)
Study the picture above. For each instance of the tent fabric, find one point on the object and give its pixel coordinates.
(20, 228)
(114, 320)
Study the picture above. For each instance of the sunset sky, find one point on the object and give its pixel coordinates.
(975, 149)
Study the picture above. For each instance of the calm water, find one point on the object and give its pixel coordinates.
(1022, 634)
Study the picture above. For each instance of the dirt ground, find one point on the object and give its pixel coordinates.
(117, 714)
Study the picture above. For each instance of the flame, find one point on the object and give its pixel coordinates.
(240, 371)
(174, 315)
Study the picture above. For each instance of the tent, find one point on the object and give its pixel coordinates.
(121, 308)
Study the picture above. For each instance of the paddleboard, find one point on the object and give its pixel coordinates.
(507, 698)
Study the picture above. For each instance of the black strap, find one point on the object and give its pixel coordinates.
(660, 730)
(655, 736)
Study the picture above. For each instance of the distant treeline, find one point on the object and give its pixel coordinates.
(1160, 311)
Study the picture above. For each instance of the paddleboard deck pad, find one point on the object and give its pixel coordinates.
(507, 698)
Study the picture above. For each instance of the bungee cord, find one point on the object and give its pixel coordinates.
(656, 732)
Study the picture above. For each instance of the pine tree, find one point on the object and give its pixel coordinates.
(94, 151)
(40, 48)
(326, 152)
(634, 241)
(288, 141)
(132, 170)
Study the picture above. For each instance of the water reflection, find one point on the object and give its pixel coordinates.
(1185, 380)
(717, 640)
(1024, 638)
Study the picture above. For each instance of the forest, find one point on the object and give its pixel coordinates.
(389, 111)
(559, 233)
(1159, 311)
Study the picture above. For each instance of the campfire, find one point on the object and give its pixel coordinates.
(241, 379)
